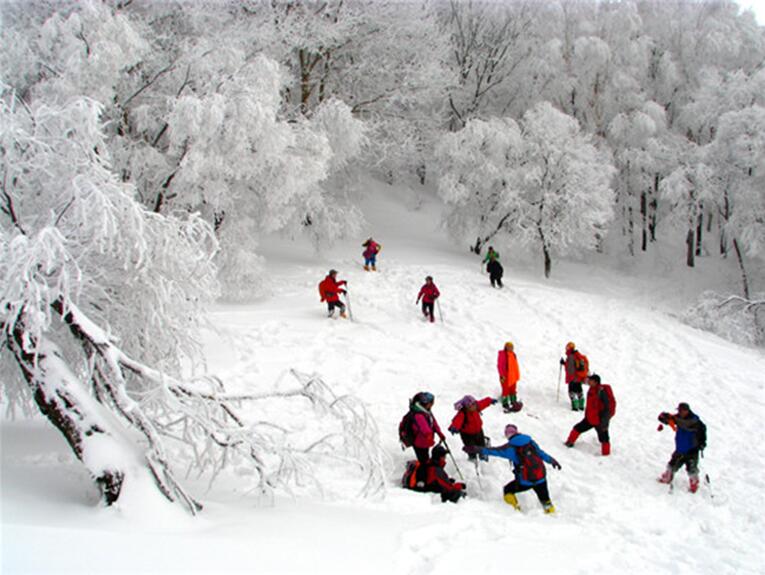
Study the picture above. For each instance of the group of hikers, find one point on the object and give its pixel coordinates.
(330, 288)
(419, 428)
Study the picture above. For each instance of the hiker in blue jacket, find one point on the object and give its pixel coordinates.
(528, 466)
(690, 440)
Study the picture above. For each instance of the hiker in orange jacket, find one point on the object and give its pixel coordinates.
(509, 374)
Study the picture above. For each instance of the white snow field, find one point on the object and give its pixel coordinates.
(612, 515)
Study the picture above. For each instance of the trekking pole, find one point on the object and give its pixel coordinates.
(348, 300)
(560, 374)
(457, 467)
(440, 315)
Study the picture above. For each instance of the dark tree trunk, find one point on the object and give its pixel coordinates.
(690, 244)
(63, 409)
(630, 231)
(653, 207)
(740, 259)
(644, 220)
(699, 230)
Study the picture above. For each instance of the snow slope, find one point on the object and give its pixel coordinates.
(612, 514)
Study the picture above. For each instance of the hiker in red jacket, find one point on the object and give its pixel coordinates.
(468, 422)
(429, 294)
(601, 407)
(330, 290)
(577, 368)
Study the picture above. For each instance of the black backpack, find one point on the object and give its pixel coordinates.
(407, 430)
(701, 436)
(531, 466)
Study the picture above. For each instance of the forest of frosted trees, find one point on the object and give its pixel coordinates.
(148, 146)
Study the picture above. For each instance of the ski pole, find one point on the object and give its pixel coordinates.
(440, 315)
(348, 300)
(457, 467)
(560, 374)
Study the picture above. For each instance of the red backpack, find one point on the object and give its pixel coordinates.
(611, 399)
(532, 467)
(407, 430)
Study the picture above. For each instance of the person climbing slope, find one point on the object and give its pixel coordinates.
(429, 294)
(330, 290)
(372, 248)
(528, 466)
(601, 407)
(468, 422)
(577, 368)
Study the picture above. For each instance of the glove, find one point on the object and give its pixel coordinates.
(563, 361)
(459, 485)
(555, 464)
(664, 417)
(493, 401)
(342, 291)
(660, 428)
(502, 379)
(471, 449)
(443, 438)
(453, 430)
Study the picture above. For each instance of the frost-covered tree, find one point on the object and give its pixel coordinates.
(737, 160)
(544, 184)
(566, 185)
(480, 169)
(99, 300)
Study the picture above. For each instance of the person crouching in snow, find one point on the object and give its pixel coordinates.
(435, 479)
(690, 440)
(372, 248)
(429, 294)
(528, 466)
(509, 374)
(468, 422)
(600, 408)
(330, 290)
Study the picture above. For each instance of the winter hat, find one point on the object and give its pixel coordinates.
(509, 344)
(332, 272)
(683, 405)
(438, 452)
(429, 278)
(424, 397)
(594, 377)
(466, 401)
(570, 345)
(510, 430)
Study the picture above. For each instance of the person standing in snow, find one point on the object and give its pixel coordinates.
(468, 422)
(330, 290)
(509, 374)
(690, 440)
(528, 466)
(490, 256)
(429, 294)
(424, 425)
(372, 248)
(577, 368)
(601, 406)
(495, 273)
(434, 477)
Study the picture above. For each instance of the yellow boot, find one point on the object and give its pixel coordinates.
(511, 499)
(549, 508)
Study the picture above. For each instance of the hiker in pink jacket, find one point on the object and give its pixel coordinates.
(425, 424)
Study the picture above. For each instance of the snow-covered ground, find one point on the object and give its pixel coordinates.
(612, 515)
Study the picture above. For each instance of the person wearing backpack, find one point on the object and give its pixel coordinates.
(528, 466)
(429, 294)
(509, 374)
(577, 368)
(468, 422)
(496, 271)
(434, 477)
(330, 290)
(372, 248)
(601, 407)
(690, 441)
(419, 427)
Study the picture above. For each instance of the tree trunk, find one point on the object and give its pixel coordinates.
(545, 250)
(644, 220)
(690, 244)
(62, 398)
(630, 231)
(740, 259)
(653, 207)
(699, 230)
